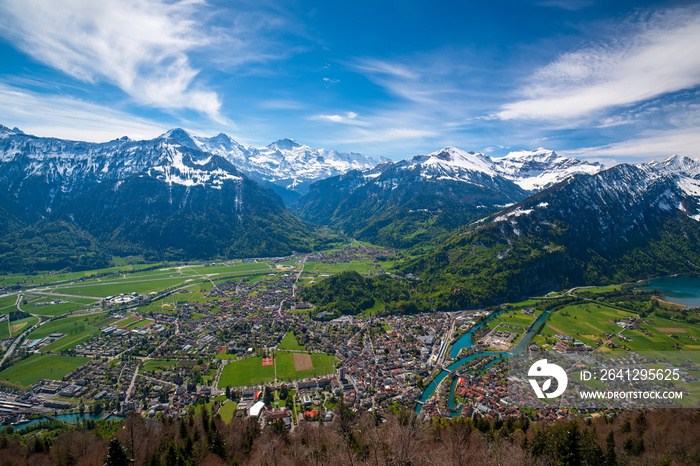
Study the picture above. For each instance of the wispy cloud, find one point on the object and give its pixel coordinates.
(138, 45)
(70, 118)
(658, 54)
(386, 68)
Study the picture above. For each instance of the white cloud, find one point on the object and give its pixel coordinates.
(349, 118)
(651, 144)
(658, 55)
(69, 118)
(138, 45)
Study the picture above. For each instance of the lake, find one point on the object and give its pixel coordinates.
(681, 290)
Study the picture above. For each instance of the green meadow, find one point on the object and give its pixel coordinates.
(290, 342)
(251, 372)
(37, 367)
(246, 372)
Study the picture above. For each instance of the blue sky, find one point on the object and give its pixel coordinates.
(595, 79)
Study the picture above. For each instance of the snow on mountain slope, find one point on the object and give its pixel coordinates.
(285, 162)
(541, 168)
(686, 171)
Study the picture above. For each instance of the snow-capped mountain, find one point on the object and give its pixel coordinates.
(624, 223)
(451, 186)
(164, 196)
(541, 168)
(684, 169)
(285, 163)
(402, 203)
(531, 170)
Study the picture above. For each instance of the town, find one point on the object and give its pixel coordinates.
(238, 339)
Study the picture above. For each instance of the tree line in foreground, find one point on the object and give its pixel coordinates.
(661, 437)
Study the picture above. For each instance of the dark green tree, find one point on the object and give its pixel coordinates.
(116, 454)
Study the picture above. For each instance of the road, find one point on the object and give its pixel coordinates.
(131, 385)
(10, 351)
(64, 295)
(294, 287)
(12, 347)
(445, 342)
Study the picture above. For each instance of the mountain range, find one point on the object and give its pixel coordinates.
(285, 165)
(158, 197)
(625, 223)
(404, 203)
(488, 227)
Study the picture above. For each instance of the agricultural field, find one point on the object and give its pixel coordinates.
(598, 289)
(17, 326)
(7, 304)
(363, 267)
(76, 329)
(513, 318)
(661, 335)
(589, 322)
(37, 367)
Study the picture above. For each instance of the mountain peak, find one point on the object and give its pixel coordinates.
(285, 144)
(540, 155)
(181, 136)
(467, 160)
(679, 165)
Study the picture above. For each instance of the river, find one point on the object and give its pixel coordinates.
(68, 419)
(465, 341)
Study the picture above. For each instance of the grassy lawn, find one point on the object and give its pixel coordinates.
(157, 365)
(113, 287)
(227, 411)
(37, 367)
(598, 289)
(69, 341)
(378, 306)
(290, 342)
(514, 318)
(251, 372)
(246, 372)
(54, 309)
(322, 363)
(526, 303)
